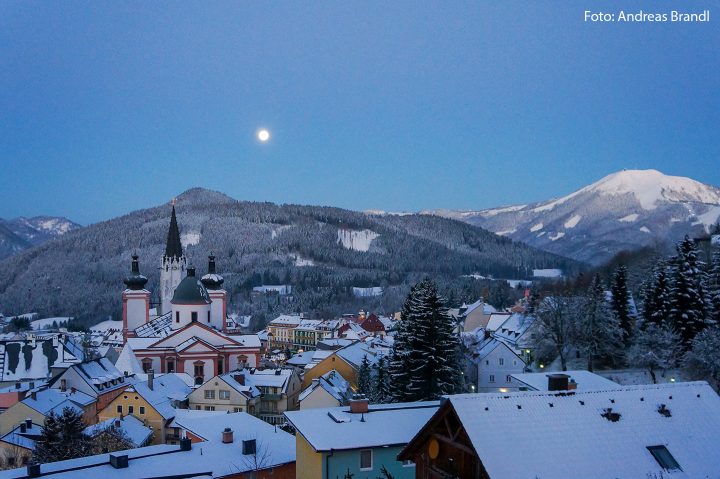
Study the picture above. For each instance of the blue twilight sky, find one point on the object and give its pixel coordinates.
(107, 107)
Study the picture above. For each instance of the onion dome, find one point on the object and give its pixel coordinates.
(135, 280)
(190, 290)
(212, 280)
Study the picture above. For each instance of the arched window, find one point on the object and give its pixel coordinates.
(146, 364)
(199, 370)
(171, 365)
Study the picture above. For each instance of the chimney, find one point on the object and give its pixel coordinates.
(277, 372)
(33, 470)
(33, 395)
(63, 385)
(17, 385)
(117, 423)
(23, 427)
(119, 461)
(32, 384)
(358, 404)
(227, 436)
(28, 423)
(240, 378)
(185, 444)
(151, 379)
(558, 382)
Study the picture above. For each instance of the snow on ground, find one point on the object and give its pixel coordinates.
(300, 261)
(629, 218)
(710, 217)
(547, 273)
(537, 227)
(504, 209)
(572, 222)
(47, 322)
(645, 229)
(277, 230)
(367, 292)
(107, 325)
(556, 236)
(541, 234)
(506, 232)
(356, 240)
(628, 377)
(190, 238)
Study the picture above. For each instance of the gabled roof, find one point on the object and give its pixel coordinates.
(133, 428)
(354, 353)
(248, 389)
(55, 400)
(127, 362)
(25, 439)
(570, 433)
(332, 382)
(166, 389)
(100, 374)
(171, 341)
(384, 425)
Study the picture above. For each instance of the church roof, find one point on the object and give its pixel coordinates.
(190, 290)
(135, 280)
(174, 247)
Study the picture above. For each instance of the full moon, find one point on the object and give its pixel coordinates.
(263, 135)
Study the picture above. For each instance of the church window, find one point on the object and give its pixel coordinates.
(146, 365)
(177, 316)
(171, 366)
(199, 368)
(208, 316)
(193, 316)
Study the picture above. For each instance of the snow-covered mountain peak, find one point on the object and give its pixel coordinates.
(651, 186)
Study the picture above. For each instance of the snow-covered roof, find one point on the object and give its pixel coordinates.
(127, 362)
(55, 400)
(133, 428)
(569, 432)
(29, 356)
(23, 439)
(286, 320)
(585, 380)
(334, 343)
(383, 425)
(514, 328)
(301, 359)
(100, 374)
(209, 459)
(182, 415)
(487, 346)
(486, 308)
(354, 354)
(496, 320)
(166, 389)
(247, 340)
(332, 382)
(248, 389)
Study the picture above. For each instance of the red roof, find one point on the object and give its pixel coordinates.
(372, 324)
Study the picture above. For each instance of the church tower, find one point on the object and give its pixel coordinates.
(173, 266)
(135, 300)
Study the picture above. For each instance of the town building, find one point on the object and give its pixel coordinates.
(642, 431)
(357, 440)
(228, 392)
(40, 404)
(496, 362)
(476, 315)
(346, 361)
(99, 379)
(153, 402)
(329, 390)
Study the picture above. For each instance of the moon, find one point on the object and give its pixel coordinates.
(263, 135)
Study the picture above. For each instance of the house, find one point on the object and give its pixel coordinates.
(476, 315)
(228, 392)
(239, 448)
(11, 395)
(565, 380)
(39, 404)
(266, 393)
(346, 361)
(281, 331)
(357, 440)
(495, 321)
(329, 390)
(27, 357)
(131, 428)
(99, 379)
(515, 332)
(373, 325)
(153, 401)
(496, 363)
(648, 431)
(17, 446)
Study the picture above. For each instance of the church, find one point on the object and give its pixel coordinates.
(189, 331)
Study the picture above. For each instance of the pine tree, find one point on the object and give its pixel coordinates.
(598, 332)
(620, 302)
(713, 288)
(381, 391)
(62, 438)
(687, 296)
(429, 347)
(399, 363)
(365, 385)
(656, 307)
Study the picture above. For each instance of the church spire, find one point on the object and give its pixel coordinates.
(174, 247)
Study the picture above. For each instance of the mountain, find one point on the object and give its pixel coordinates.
(623, 211)
(322, 252)
(22, 233)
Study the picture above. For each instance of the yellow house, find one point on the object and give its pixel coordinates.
(153, 402)
(346, 361)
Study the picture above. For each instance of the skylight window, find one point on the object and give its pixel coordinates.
(664, 458)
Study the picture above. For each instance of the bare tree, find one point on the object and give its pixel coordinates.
(555, 326)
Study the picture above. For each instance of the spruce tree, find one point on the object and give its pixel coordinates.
(713, 288)
(429, 348)
(381, 391)
(656, 307)
(687, 296)
(399, 363)
(598, 333)
(365, 385)
(62, 438)
(620, 302)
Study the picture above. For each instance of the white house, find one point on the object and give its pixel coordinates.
(496, 363)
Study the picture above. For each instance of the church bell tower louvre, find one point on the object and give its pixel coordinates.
(174, 264)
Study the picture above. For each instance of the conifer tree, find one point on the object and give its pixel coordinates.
(620, 302)
(599, 332)
(429, 348)
(365, 385)
(62, 438)
(656, 307)
(687, 296)
(713, 286)
(381, 391)
(399, 359)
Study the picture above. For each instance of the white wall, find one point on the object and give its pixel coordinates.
(491, 366)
